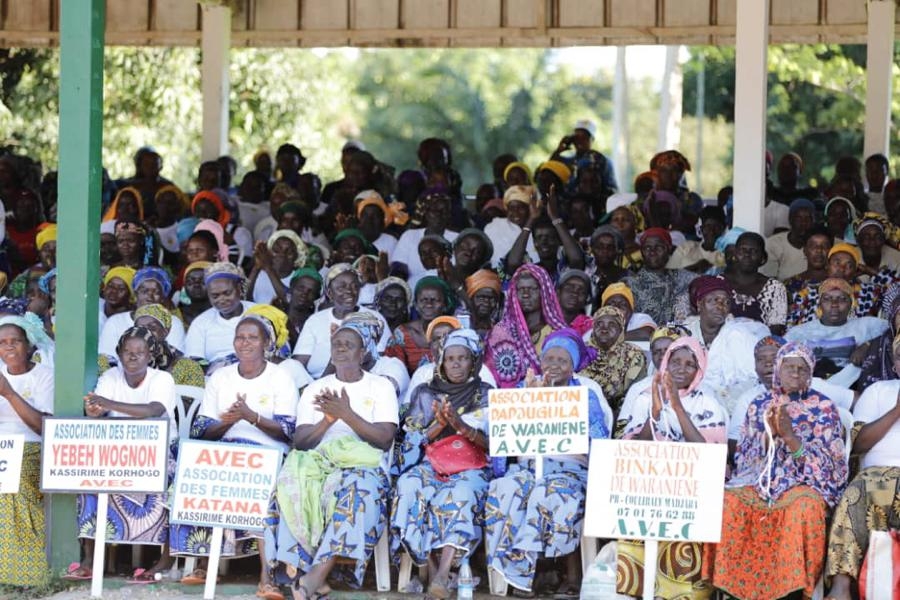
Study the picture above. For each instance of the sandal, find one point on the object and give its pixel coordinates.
(142, 576)
(299, 591)
(195, 577)
(269, 591)
(76, 572)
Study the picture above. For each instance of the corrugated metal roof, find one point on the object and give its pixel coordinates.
(441, 23)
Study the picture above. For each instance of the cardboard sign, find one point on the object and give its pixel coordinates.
(11, 448)
(224, 485)
(655, 490)
(538, 421)
(104, 455)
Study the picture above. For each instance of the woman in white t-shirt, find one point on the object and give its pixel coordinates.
(132, 390)
(250, 402)
(26, 395)
(869, 502)
(332, 490)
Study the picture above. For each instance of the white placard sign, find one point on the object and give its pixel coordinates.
(11, 448)
(224, 485)
(104, 455)
(538, 421)
(648, 490)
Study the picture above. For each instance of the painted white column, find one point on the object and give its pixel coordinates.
(879, 62)
(750, 88)
(215, 83)
(620, 122)
(669, 128)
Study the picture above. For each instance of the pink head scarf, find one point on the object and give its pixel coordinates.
(218, 233)
(699, 353)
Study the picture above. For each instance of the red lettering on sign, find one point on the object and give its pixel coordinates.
(238, 459)
(107, 483)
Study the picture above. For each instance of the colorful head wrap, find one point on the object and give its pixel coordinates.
(218, 232)
(705, 285)
(793, 350)
(770, 341)
(612, 232)
(339, 269)
(33, 327)
(443, 320)
(615, 312)
(473, 232)
(155, 311)
(44, 281)
(307, 272)
(226, 270)
(671, 331)
(212, 197)
(848, 248)
(141, 333)
(432, 281)
(343, 234)
(275, 322)
(699, 353)
(481, 279)
(517, 165)
(494, 203)
(287, 192)
(657, 232)
(46, 233)
(841, 200)
(184, 228)
(466, 338)
(835, 283)
(200, 264)
(519, 193)
(670, 158)
(13, 306)
(392, 281)
(872, 219)
(395, 212)
(560, 169)
(801, 204)
(302, 250)
(571, 341)
(112, 212)
(126, 274)
(183, 203)
(617, 289)
(153, 274)
(367, 327)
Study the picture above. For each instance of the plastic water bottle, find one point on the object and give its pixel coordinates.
(599, 583)
(465, 587)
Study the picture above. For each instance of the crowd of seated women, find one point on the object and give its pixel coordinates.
(360, 326)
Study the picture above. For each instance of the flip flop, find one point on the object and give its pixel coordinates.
(141, 576)
(195, 577)
(76, 572)
(269, 592)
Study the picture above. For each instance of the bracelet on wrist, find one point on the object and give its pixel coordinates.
(557, 221)
(800, 451)
(526, 229)
(258, 417)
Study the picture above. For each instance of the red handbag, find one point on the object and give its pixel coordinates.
(455, 454)
(879, 577)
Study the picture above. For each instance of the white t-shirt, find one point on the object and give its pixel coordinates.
(210, 336)
(315, 338)
(168, 237)
(841, 396)
(271, 393)
(407, 249)
(116, 325)
(36, 388)
(503, 233)
(264, 291)
(874, 403)
(386, 243)
(251, 214)
(157, 386)
(373, 398)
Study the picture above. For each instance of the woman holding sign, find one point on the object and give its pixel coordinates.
(26, 395)
(436, 506)
(790, 470)
(250, 402)
(526, 518)
(332, 490)
(135, 390)
(676, 408)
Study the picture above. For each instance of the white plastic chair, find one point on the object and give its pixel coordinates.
(847, 422)
(186, 417)
(382, 559)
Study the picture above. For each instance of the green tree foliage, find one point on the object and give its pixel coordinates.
(816, 100)
(485, 103)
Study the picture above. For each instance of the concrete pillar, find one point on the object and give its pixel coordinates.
(620, 123)
(669, 128)
(78, 259)
(750, 88)
(215, 82)
(879, 64)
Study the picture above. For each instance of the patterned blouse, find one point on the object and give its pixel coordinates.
(805, 300)
(768, 306)
(822, 465)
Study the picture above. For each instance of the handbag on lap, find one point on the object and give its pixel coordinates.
(455, 454)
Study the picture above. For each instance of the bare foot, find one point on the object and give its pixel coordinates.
(840, 588)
